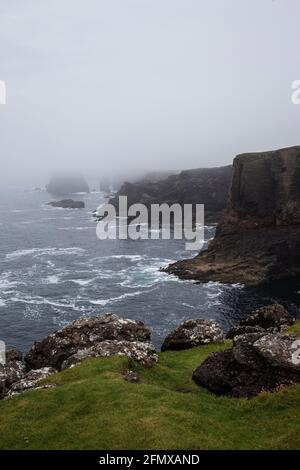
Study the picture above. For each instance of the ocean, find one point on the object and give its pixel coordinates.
(54, 269)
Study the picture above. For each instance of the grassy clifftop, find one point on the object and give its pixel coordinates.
(92, 407)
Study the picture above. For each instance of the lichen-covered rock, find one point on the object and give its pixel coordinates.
(273, 318)
(257, 362)
(142, 352)
(279, 350)
(193, 333)
(10, 372)
(82, 334)
(30, 380)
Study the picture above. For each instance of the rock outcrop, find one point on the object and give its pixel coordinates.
(62, 183)
(12, 371)
(102, 335)
(142, 352)
(273, 318)
(257, 362)
(207, 186)
(193, 333)
(258, 238)
(88, 337)
(67, 204)
(31, 381)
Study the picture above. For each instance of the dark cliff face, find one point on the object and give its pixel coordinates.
(61, 184)
(207, 186)
(265, 190)
(258, 238)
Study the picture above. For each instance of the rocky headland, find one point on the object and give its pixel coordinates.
(258, 237)
(208, 186)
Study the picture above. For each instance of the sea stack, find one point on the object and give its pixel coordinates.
(258, 237)
(67, 183)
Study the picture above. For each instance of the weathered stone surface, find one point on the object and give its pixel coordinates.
(243, 330)
(273, 318)
(9, 373)
(142, 352)
(193, 333)
(85, 333)
(257, 362)
(258, 238)
(279, 350)
(30, 380)
(13, 354)
(67, 204)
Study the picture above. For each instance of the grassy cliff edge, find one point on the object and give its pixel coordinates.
(93, 407)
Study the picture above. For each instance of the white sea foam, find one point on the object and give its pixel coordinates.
(38, 300)
(129, 257)
(81, 282)
(2, 303)
(37, 252)
(104, 302)
(7, 281)
(53, 279)
(184, 304)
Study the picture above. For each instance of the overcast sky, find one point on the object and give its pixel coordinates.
(106, 85)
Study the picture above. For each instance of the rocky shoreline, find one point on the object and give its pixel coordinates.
(263, 357)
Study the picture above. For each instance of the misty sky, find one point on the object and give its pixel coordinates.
(110, 85)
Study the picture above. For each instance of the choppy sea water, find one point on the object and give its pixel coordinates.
(53, 269)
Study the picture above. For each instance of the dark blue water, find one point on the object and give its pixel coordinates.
(54, 269)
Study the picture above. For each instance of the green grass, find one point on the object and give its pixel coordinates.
(92, 407)
(295, 329)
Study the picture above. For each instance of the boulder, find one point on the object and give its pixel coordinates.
(257, 362)
(273, 318)
(144, 353)
(67, 204)
(258, 237)
(30, 380)
(85, 333)
(243, 330)
(193, 333)
(10, 373)
(279, 350)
